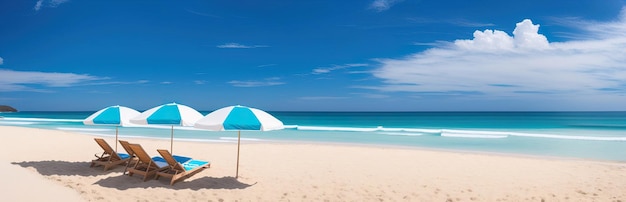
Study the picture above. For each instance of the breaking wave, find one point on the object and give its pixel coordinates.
(456, 133)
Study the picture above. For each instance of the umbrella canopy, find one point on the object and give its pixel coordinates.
(168, 114)
(113, 115)
(239, 118)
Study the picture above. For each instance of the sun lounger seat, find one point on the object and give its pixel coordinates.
(180, 169)
(126, 146)
(109, 158)
(145, 165)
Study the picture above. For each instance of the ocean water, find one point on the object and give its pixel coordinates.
(587, 135)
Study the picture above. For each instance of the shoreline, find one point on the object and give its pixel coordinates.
(350, 144)
(372, 145)
(313, 172)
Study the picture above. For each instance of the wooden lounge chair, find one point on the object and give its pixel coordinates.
(109, 158)
(145, 165)
(126, 146)
(179, 170)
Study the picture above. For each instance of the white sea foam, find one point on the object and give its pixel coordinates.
(291, 126)
(323, 128)
(379, 128)
(472, 135)
(457, 133)
(416, 130)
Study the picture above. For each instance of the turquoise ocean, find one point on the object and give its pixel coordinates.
(586, 135)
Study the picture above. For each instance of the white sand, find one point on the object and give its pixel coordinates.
(58, 162)
(21, 185)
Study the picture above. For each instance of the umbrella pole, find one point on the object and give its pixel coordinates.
(116, 138)
(172, 141)
(238, 144)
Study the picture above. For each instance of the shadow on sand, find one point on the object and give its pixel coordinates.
(124, 182)
(48, 168)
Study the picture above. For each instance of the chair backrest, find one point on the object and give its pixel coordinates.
(170, 159)
(141, 154)
(126, 146)
(106, 147)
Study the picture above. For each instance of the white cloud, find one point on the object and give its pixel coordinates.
(267, 65)
(1, 60)
(497, 64)
(48, 3)
(274, 81)
(383, 5)
(525, 37)
(118, 82)
(11, 80)
(236, 45)
(599, 29)
(325, 70)
(38, 5)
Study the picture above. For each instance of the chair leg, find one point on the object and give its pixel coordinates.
(174, 179)
(126, 168)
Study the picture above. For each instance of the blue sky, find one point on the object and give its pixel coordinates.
(278, 55)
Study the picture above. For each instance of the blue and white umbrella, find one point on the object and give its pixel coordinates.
(113, 115)
(168, 114)
(239, 118)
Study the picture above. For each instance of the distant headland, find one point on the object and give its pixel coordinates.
(5, 108)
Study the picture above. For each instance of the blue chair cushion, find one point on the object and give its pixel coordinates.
(194, 164)
(179, 159)
(123, 156)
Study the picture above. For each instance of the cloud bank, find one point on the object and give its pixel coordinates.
(11, 80)
(326, 70)
(383, 5)
(48, 3)
(274, 81)
(236, 45)
(496, 64)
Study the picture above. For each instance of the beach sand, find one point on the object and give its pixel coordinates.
(41, 163)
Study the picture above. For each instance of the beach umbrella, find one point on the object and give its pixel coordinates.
(113, 115)
(239, 118)
(172, 114)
